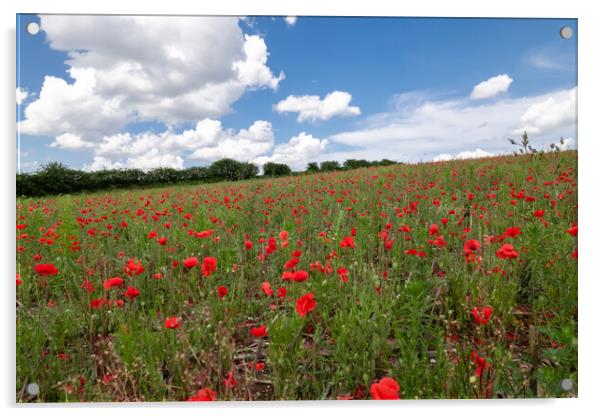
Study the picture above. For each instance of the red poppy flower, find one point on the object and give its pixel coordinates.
(539, 213)
(512, 232)
(88, 286)
(133, 268)
(281, 292)
(434, 229)
(209, 266)
(343, 274)
(305, 304)
(470, 246)
(19, 281)
(173, 322)
(481, 315)
(203, 395)
(131, 293)
(230, 381)
(507, 251)
(481, 362)
(259, 331)
(222, 291)
(112, 282)
(190, 262)
(572, 231)
(347, 242)
(267, 288)
(97, 303)
(404, 228)
(386, 389)
(291, 263)
(300, 276)
(45, 269)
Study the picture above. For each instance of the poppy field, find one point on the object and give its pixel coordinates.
(413, 281)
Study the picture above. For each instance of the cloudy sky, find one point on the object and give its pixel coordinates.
(100, 92)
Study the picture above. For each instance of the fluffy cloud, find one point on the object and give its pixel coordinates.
(144, 68)
(547, 114)
(311, 107)
(207, 142)
(100, 163)
(491, 87)
(297, 152)
(462, 155)
(290, 20)
(252, 71)
(22, 95)
(424, 128)
(70, 141)
(245, 145)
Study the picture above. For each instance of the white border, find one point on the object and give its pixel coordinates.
(590, 29)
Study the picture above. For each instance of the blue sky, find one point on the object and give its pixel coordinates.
(405, 89)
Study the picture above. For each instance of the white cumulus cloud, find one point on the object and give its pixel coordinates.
(491, 87)
(311, 107)
(546, 114)
(144, 68)
(424, 128)
(297, 152)
(243, 145)
(70, 141)
(290, 20)
(207, 142)
(22, 95)
(204, 144)
(467, 154)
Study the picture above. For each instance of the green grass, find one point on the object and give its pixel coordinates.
(413, 325)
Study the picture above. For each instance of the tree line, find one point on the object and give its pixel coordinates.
(57, 178)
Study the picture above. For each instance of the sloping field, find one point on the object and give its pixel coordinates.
(441, 280)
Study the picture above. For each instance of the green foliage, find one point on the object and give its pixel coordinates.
(276, 169)
(232, 170)
(312, 167)
(329, 166)
(356, 164)
(55, 178)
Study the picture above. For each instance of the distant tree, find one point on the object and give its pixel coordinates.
(312, 167)
(276, 169)
(248, 170)
(356, 164)
(195, 173)
(385, 162)
(232, 170)
(329, 166)
(57, 178)
(163, 175)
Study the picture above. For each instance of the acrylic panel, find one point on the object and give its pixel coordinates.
(295, 208)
